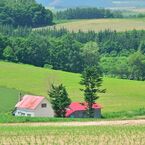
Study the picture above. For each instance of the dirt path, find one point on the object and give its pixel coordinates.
(97, 123)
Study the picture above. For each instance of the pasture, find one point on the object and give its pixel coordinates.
(101, 135)
(8, 97)
(121, 95)
(120, 25)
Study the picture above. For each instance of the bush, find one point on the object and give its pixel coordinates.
(48, 66)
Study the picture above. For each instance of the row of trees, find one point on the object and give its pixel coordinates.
(87, 13)
(60, 49)
(92, 82)
(24, 13)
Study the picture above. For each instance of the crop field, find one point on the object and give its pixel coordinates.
(92, 135)
(102, 24)
(121, 95)
(139, 10)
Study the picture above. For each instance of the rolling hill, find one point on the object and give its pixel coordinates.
(96, 25)
(121, 95)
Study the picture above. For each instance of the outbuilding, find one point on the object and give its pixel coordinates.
(79, 110)
(34, 106)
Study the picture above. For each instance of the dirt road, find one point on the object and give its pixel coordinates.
(93, 123)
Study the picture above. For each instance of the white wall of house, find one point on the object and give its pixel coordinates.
(44, 109)
(24, 112)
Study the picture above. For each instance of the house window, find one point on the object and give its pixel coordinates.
(44, 105)
(23, 114)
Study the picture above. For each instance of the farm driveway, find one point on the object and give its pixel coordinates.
(97, 123)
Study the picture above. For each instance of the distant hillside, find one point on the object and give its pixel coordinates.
(120, 25)
(92, 3)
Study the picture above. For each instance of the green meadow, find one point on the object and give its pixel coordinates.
(8, 97)
(121, 95)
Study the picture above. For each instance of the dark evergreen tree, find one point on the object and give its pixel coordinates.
(92, 81)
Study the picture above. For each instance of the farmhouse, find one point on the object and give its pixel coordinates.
(35, 106)
(78, 110)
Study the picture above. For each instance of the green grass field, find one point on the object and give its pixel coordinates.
(8, 97)
(92, 135)
(102, 24)
(121, 95)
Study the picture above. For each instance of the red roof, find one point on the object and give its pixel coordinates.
(29, 102)
(76, 106)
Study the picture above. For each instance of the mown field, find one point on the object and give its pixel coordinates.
(121, 95)
(102, 24)
(8, 97)
(92, 135)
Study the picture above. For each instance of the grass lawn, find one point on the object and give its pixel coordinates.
(102, 24)
(91, 135)
(8, 97)
(121, 95)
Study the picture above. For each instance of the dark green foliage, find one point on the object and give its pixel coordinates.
(142, 47)
(115, 66)
(87, 13)
(9, 30)
(137, 66)
(59, 100)
(9, 54)
(24, 13)
(92, 80)
(3, 44)
(65, 54)
(71, 51)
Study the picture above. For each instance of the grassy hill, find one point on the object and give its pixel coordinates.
(121, 95)
(8, 97)
(102, 24)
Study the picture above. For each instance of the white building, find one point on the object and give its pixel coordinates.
(35, 106)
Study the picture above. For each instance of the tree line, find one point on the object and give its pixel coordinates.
(24, 13)
(31, 14)
(87, 13)
(119, 54)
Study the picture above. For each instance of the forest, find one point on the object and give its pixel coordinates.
(29, 13)
(87, 13)
(119, 54)
(24, 13)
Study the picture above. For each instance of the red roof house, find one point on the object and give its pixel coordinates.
(29, 102)
(78, 110)
(35, 106)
